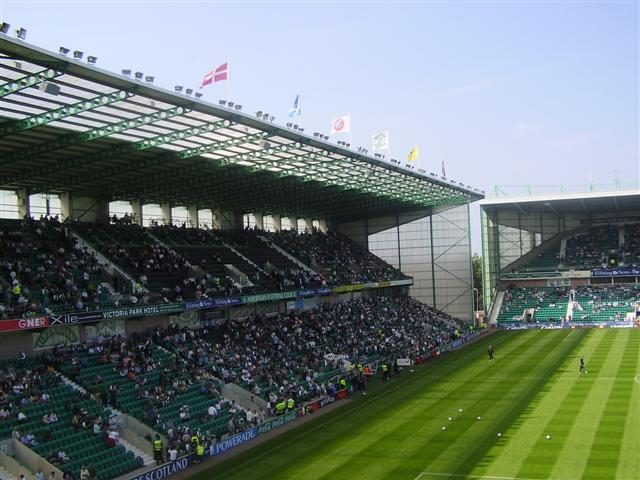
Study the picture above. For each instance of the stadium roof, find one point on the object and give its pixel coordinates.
(69, 126)
(577, 203)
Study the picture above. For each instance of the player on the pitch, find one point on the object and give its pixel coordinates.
(490, 352)
(582, 369)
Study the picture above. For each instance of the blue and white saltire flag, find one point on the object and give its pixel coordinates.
(296, 110)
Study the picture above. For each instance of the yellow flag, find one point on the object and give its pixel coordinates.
(414, 154)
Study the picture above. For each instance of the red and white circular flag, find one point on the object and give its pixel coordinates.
(341, 124)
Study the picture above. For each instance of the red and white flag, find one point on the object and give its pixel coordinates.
(217, 75)
(341, 124)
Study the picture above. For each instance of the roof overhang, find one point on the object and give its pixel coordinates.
(617, 203)
(69, 126)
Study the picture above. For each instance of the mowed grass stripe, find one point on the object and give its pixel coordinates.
(367, 425)
(573, 459)
(420, 401)
(503, 410)
(544, 454)
(606, 448)
(407, 447)
(265, 459)
(629, 459)
(507, 459)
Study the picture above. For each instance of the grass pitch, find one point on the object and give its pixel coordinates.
(530, 391)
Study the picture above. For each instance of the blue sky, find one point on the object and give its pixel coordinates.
(509, 93)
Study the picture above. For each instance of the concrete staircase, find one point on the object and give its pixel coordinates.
(563, 248)
(260, 269)
(72, 384)
(148, 459)
(495, 308)
(156, 239)
(5, 475)
(286, 254)
(570, 305)
(110, 266)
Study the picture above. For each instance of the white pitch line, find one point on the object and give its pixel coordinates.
(490, 477)
(565, 377)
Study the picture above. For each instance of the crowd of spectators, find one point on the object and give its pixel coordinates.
(291, 358)
(605, 302)
(544, 301)
(591, 250)
(604, 246)
(160, 272)
(280, 270)
(152, 265)
(340, 260)
(43, 268)
(29, 387)
(285, 357)
(631, 247)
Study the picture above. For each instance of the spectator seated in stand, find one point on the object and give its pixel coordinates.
(44, 270)
(32, 387)
(340, 260)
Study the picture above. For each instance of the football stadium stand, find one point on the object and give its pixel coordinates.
(341, 260)
(549, 304)
(599, 247)
(542, 304)
(605, 303)
(172, 378)
(562, 258)
(61, 424)
(631, 246)
(239, 275)
(46, 271)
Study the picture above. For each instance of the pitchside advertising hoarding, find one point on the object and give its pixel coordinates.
(23, 324)
(558, 326)
(18, 324)
(177, 466)
(167, 469)
(233, 441)
(616, 272)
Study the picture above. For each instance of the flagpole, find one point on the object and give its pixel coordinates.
(228, 81)
(349, 128)
(388, 147)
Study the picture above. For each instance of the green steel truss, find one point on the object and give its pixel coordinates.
(28, 81)
(166, 158)
(65, 111)
(93, 134)
(120, 150)
(247, 163)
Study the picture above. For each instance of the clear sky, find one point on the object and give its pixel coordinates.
(509, 93)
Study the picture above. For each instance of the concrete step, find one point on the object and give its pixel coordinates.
(148, 459)
(72, 384)
(284, 253)
(109, 287)
(4, 475)
(109, 265)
